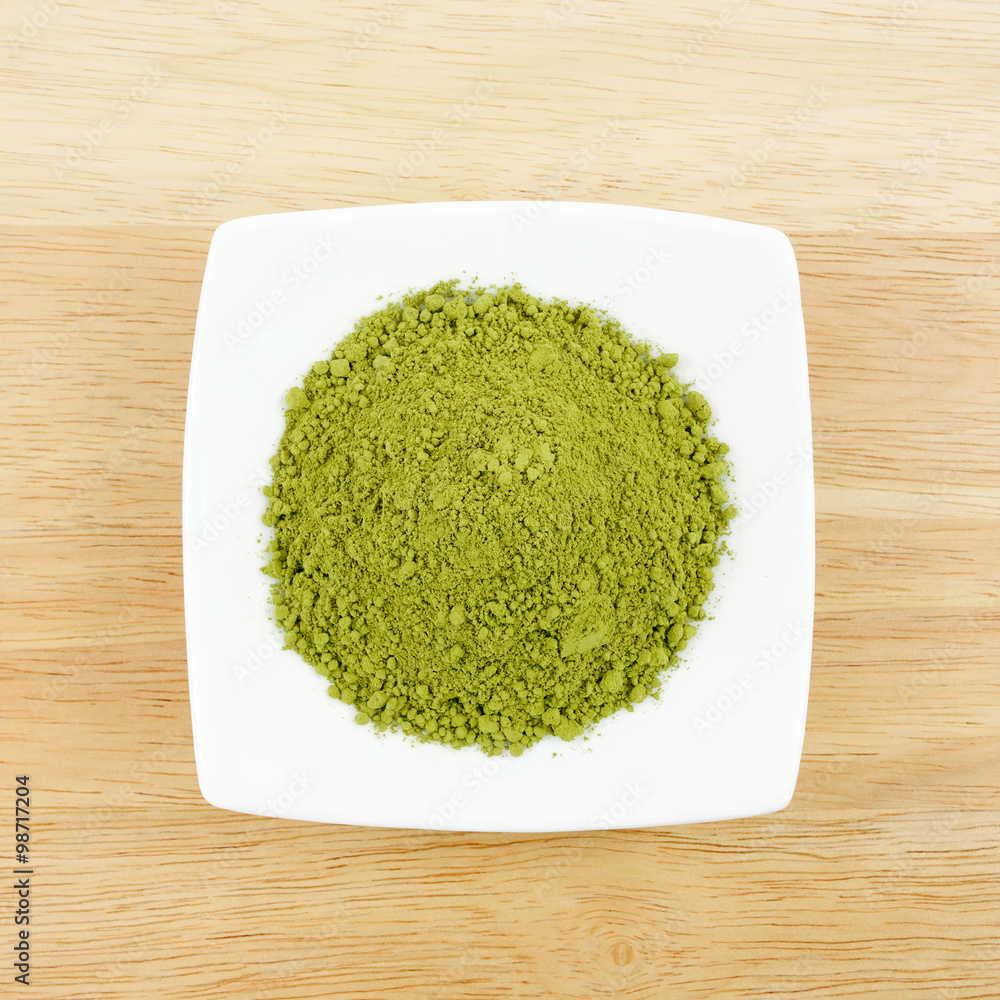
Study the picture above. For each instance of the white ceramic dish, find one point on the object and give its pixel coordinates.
(725, 738)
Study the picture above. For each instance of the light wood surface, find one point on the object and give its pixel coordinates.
(867, 132)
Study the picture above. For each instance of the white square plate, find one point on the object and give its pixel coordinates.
(725, 737)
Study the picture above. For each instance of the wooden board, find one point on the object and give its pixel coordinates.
(869, 134)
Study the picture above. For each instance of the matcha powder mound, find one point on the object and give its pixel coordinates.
(494, 518)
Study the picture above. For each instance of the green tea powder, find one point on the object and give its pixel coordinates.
(495, 518)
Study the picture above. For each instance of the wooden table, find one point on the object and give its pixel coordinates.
(869, 133)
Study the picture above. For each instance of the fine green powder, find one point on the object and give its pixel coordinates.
(494, 518)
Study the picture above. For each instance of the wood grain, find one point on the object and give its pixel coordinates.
(868, 133)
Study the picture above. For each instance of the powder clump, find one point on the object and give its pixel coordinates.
(495, 518)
